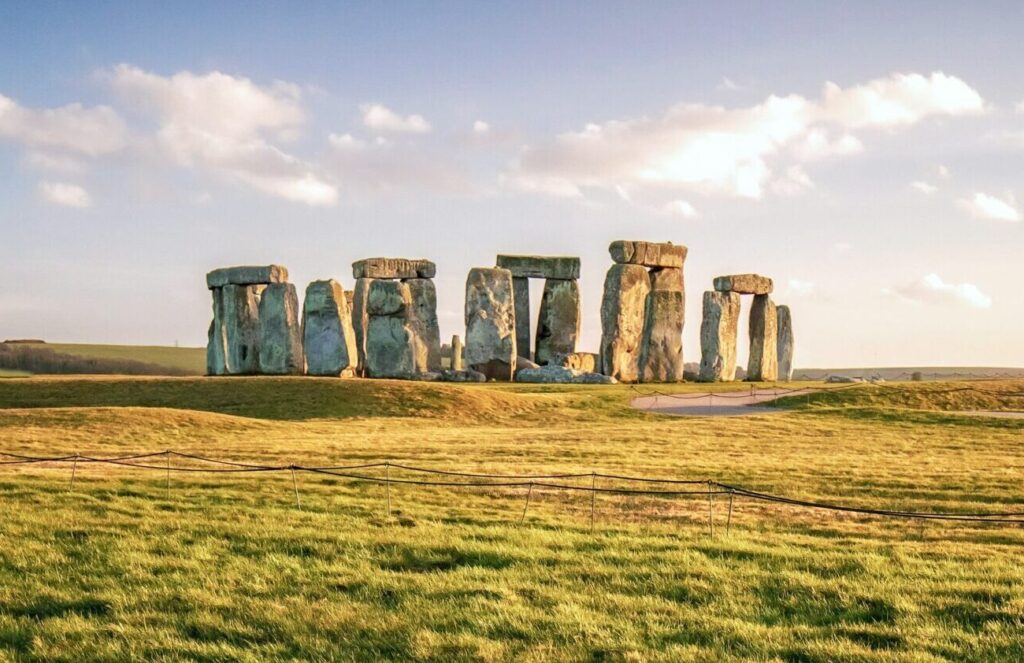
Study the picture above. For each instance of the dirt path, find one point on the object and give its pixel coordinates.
(711, 404)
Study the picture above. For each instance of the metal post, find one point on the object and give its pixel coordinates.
(295, 487)
(728, 521)
(387, 485)
(167, 455)
(711, 510)
(593, 497)
(522, 519)
(74, 466)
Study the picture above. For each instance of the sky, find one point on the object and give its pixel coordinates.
(869, 157)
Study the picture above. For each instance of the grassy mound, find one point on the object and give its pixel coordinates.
(998, 395)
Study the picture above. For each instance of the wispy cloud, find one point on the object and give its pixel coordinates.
(381, 118)
(984, 206)
(65, 195)
(924, 187)
(931, 289)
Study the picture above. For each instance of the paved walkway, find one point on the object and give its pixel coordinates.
(715, 404)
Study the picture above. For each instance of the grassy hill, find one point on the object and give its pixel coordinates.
(226, 566)
(189, 359)
(74, 359)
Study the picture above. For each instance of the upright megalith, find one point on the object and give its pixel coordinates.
(763, 365)
(558, 325)
(328, 335)
(642, 312)
(622, 320)
(785, 342)
(561, 324)
(234, 336)
(405, 342)
(389, 341)
(280, 349)
(661, 354)
(490, 323)
(718, 331)
(457, 352)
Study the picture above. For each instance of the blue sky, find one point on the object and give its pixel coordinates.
(867, 156)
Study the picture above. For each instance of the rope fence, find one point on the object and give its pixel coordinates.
(658, 487)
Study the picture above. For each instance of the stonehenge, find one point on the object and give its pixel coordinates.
(770, 345)
(642, 312)
(387, 325)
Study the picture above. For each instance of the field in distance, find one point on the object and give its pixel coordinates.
(309, 566)
(141, 358)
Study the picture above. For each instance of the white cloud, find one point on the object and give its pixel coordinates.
(984, 206)
(794, 182)
(381, 118)
(90, 132)
(727, 84)
(924, 187)
(222, 124)
(377, 166)
(682, 208)
(931, 289)
(716, 150)
(481, 128)
(65, 195)
(942, 171)
(900, 99)
(801, 288)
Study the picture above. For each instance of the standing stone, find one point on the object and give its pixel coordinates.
(389, 342)
(217, 342)
(558, 325)
(785, 344)
(718, 331)
(327, 333)
(360, 321)
(280, 350)
(763, 365)
(490, 323)
(521, 295)
(622, 321)
(456, 353)
(421, 320)
(240, 315)
(661, 355)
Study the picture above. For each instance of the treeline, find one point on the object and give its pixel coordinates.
(44, 361)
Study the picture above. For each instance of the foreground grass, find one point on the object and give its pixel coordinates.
(228, 567)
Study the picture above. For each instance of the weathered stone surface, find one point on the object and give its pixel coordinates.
(587, 362)
(490, 323)
(718, 330)
(349, 296)
(360, 321)
(421, 319)
(240, 316)
(552, 374)
(785, 343)
(541, 267)
(389, 342)
(521, 295)
(648, 254)
(661, 355)
(763, 364)
(280, 351)
(462, 376)
(327, 333)
(558, 325)
(667, 279)
(216, 338)
(622, 321)
(745, 284)
(457, 351)
(246, 275)
(393, 268)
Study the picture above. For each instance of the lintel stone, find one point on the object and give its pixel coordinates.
(393, 268)
(541, 267)
(246, 275)
(745, 284)
(648, 254)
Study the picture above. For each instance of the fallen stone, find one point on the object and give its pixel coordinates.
(587, 362)
(240, 316)
(718, 331)
(462, 376)
(648, 254)
(389, 342)
(280, 334)
(327, 333)
(622, 321)
(457, 352)
(785, 343)
(763, 363)
(745, 284)
(521, 296)
(490, 323)
(558, 325)
(246, 275)
(393, 268)
(541, 267)
(552, 374)
(421, 319)
(360, 321)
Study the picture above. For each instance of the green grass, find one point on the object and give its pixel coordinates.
(188, 359)
(227, 567)
(8, 373)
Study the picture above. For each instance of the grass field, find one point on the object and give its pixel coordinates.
(126, 565)
(188, 359)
